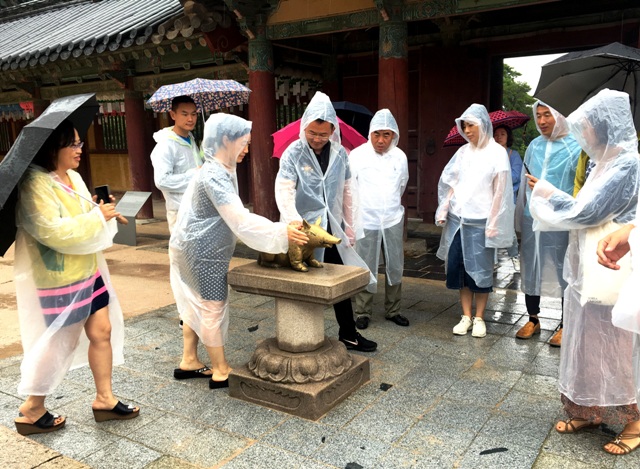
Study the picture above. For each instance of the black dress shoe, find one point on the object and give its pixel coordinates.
(362, 322)
(399, 319)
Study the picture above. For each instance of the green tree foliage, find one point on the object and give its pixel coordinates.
(516, 97)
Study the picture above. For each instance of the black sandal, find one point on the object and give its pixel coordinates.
(44, 424)
(179, 373)
(218, 384)
(119, 412)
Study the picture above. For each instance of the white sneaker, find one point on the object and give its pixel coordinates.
(516, 264)
(479, 328)
(463, 326)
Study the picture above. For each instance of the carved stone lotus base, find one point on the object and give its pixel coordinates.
(271, 363)
(310, 401)
(300, 371)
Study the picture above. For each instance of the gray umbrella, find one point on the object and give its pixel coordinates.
(570, 80)
(80, 110)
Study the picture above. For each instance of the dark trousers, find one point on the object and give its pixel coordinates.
(533, 306)
(343, 309)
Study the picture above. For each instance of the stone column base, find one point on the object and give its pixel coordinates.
(310, 400)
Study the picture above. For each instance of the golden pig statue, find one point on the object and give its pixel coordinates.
(297, 256)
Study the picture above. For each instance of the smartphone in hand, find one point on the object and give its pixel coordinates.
(103, 194)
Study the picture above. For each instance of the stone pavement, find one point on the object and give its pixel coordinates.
(435, 400)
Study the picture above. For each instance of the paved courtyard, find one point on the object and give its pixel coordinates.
(435, 400)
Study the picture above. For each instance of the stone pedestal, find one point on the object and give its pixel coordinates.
(300, 371)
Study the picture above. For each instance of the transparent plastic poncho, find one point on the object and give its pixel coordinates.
(381, 180)
(210, 220)
(475, 196)
(174, 164)
(626, 312)
(60, 236)
(303, 192)
(553, 159)
(595, 366)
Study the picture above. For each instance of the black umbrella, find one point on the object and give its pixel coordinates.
(80, 110)
(356, 115)
(570, 80)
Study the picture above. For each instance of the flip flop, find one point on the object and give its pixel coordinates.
(179, 373)
(44, 424)
(119, 412)
(218, 384)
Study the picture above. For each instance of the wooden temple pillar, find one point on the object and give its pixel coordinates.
(39, 104)
(262, 112)
(393, 75)
(139, 162)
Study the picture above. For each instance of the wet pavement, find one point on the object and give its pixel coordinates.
(435, 400)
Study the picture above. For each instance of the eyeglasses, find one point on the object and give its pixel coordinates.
(315, 136)
(76, 146)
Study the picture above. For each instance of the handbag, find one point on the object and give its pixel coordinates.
(600, 285)
(626, 312)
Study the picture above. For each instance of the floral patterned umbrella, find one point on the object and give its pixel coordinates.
(512, 119)
(208, 95)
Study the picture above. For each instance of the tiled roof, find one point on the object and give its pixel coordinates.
(75, 28)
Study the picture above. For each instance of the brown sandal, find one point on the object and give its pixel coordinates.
(626, 449)
(569, 426)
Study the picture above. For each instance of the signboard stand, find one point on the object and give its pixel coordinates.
(129, 206)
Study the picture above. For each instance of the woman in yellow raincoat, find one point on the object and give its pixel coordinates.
(67, 307)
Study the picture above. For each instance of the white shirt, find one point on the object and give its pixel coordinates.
(382, 179)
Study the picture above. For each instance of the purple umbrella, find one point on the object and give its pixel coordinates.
(208, 95)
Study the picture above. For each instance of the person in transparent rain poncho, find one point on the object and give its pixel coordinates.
(626, 312)
(552, 156)
(381, 172)
(176, 156)
(596, 379)
(66, 304)
(210, 220)
(314, 181)
(476, 209)
(503, 135)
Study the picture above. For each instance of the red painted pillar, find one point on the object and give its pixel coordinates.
(139, 162)
(393, 82)
(39, 104)
(262, 112)
(393, 75)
